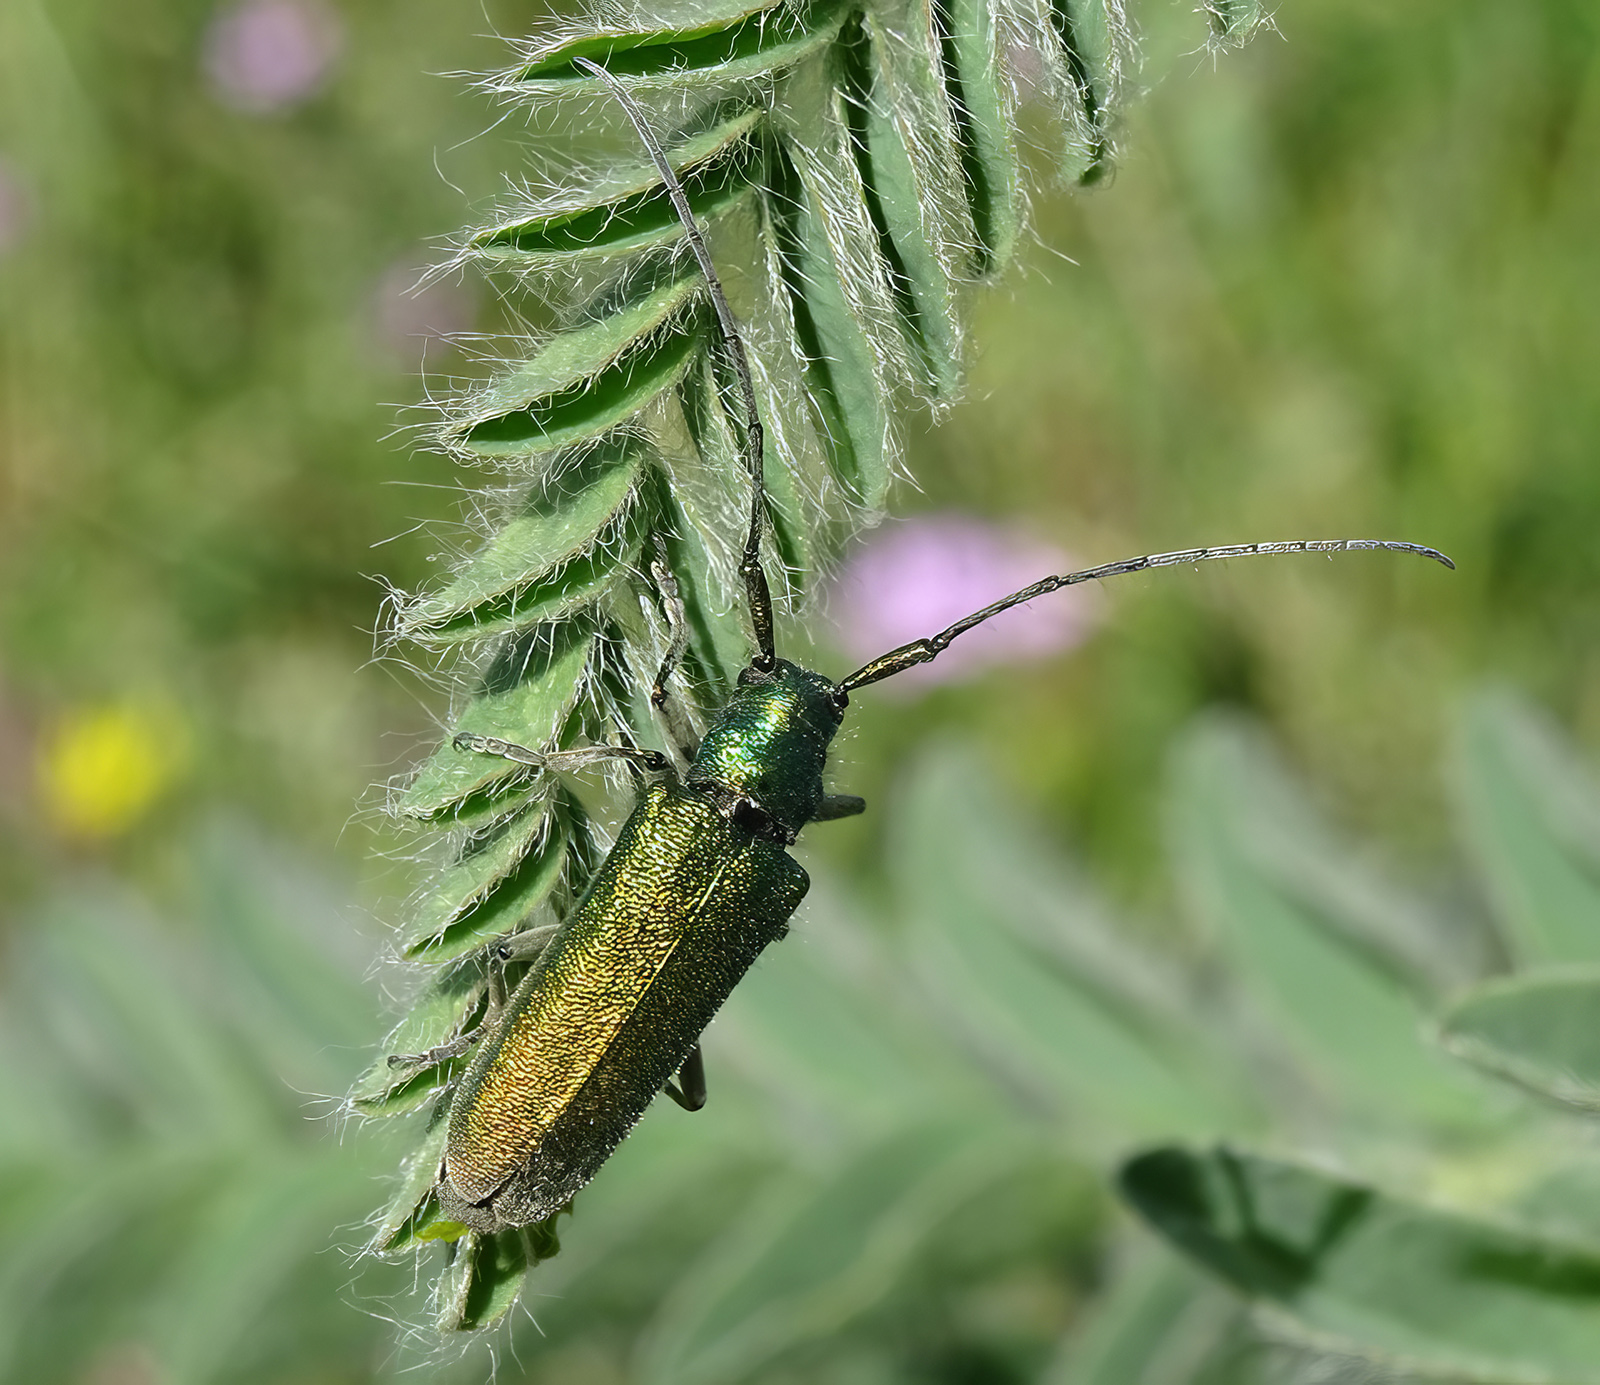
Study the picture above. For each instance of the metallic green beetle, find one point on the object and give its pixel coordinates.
(697, 884)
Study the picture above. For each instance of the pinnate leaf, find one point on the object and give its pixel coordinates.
(525, 569)
(527, 694)
(1531, 813)
(1540, 1029)
(717, 168)
(1346, 1014)
(747, 44)
(1351, 1265)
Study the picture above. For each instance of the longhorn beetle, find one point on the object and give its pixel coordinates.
(697, 884)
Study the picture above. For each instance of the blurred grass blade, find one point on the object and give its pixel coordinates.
(290, 954)
(1380, 1275)
(1531, 814)
(135, 1019)
(1158, 1323)
(827, 1027)
(274, 1218)
(819, 1257)
(1348, 1020)
(1071, 1033)
(190, 1209)
(1565, 1202)
(74, 1217)
(1290, 843)
(1539, 1029)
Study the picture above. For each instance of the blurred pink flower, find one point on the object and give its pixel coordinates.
(914, 577)
(15, 207)
(263, 55)
(406, 306)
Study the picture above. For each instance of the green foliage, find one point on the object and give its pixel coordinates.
(860, 166)
(902, 1169)
(1450, 1295)
(1350, 279)
(1535, 819)
(1341, 285)
(1465, 1276)
(169, 1201)
(1536, 1028)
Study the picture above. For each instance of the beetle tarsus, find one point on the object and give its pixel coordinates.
(559, 761)
(442, 1054)
(677, 623)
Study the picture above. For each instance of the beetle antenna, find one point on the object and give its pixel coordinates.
(757, 592)
(921, 651)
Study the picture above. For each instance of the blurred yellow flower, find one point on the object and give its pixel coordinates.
(104, 768)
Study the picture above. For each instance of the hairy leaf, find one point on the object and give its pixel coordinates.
(502, 875)
(718, 169)
(854, 169)
(1533, 815)
(592, 379)
(1446, 1293)
(529, 689)
(450, 1001)
(740, 47)
(1346, 1013)
(1540, 1029)
(552, 558)
(985, 116)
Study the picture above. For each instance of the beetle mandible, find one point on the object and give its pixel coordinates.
(697, 884)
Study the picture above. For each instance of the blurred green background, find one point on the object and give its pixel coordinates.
(1343, 283)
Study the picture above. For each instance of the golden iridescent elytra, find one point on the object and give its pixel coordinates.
(696, 885)
(698, 882)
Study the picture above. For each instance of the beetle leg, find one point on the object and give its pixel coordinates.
(434, 1056)
(689, 1091)
(464, 1041)
(671, 708)
(559, 760)
(839, 805)
(677, 621)
(524, 946)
